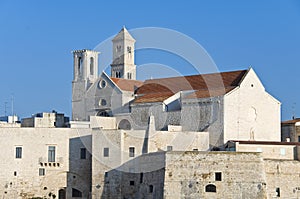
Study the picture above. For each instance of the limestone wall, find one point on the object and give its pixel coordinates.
(283, 175)
(204, 115)
(281, 152)
(250, 113)
(188, 174)
(32, 174)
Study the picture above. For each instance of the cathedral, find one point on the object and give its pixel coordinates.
(229, 105)
(208, 136)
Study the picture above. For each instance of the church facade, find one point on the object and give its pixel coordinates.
(229, 105)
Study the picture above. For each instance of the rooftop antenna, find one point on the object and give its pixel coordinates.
(294, 110)
(12, 107)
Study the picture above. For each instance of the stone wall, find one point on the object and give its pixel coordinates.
(282, 176)
(141, 112)
(188, 174)
(31, 174)
(204, 115)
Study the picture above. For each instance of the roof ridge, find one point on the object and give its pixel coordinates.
(197, 75)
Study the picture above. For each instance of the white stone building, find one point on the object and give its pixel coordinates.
(229, 105)
(153, 138)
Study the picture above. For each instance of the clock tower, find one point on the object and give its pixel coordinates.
(123, 56)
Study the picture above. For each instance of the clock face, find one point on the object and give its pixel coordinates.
(102, 84)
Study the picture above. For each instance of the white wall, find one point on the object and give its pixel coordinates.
(250, 113)
(35, 143)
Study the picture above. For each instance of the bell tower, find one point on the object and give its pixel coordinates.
(85, 72)
(85, 65)
(123, 56)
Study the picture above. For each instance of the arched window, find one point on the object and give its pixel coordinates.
(103, 114)
(79, 65)
(92, 65)
(124, 124)
(211, 188)
(62, 194)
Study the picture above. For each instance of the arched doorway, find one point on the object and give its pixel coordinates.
(62, 194)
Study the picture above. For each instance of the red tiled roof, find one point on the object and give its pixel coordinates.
(210, 93)
(294, 121)
(127, 84)
(207, 85)
(153, 97)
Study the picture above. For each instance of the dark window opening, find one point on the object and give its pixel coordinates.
(103, 114)
(129, 76)
(131, 183)
(129, 49)
(62, 194)
(41, 172)
(169, 148)
(298, 138)
(131, 151)
(15, 173)
(92, 66)
(79, 66)
(51, 154)
(211, 188)
(151, 188)
(278, 192)
(18, 152)
(141, 177)
(83, 153)
(218, 176)
(106, 152)
(76, 193)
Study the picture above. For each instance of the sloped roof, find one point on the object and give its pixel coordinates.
(206, 85)
(294, 121)
(205, 93)
(127, 84)
(123, 35)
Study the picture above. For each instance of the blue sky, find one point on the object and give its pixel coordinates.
(37, 37)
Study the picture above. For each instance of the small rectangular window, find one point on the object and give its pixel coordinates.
(151, 188)
(298, 138)
(18, 152)
(141, 177)
(15, 173)
(218, 176)
(282, 151)
(195, 150)
(106, 152)
(278, 192)
(169, 148)
(51, 153)
(131, 183)
(41, 171)
(83, 153)
(131, 152)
